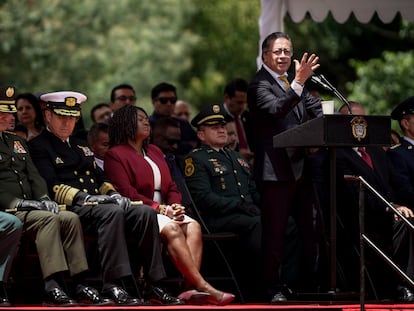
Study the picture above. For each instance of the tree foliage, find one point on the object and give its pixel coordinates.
(91, 46)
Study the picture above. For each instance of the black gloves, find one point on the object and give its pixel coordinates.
(123, 202)
(81, 198)
(99, 199)
(50, 205)
(28, 205)
(249, 208)
(43, 204)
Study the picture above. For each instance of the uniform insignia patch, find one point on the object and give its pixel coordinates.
(189, 167)
(86, 151)
(58, 160)
(18, 147)
(243, 162)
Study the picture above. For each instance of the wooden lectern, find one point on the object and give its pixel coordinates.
(336, 131)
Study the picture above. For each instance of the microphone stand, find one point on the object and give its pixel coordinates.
(336, 92)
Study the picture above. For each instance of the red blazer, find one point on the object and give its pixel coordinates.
(133, 177)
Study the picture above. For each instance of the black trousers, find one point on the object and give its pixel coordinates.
(279, 200)
(113, 225)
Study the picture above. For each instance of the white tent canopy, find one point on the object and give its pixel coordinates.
(273, 12)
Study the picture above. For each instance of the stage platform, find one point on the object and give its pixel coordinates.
(247, 307)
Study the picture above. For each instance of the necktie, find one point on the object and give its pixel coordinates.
(240, 133)
(285, 81)
(366, 157)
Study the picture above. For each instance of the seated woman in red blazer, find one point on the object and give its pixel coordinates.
(139, 171)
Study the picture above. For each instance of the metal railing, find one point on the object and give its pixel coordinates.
(364, 239)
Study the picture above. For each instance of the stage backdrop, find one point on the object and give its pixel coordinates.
(273, 11)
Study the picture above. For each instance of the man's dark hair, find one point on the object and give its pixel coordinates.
(96, 107)
(162, 87)
(118, 87)
(236, 85)
(272, 37)
(95, 129)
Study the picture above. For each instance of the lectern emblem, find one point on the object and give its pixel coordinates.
(359, 127)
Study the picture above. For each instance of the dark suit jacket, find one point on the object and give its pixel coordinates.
(274, 110)
(402, 165)
(59, 164)
(349, 163)
(133, 177)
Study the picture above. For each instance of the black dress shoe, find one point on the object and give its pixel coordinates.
(4, 302)
(405, 295)
(57, 297)
(278, 298)
(159, 296)
(90, 296)
(121, 297)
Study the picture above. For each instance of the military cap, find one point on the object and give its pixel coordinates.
(8, 99)
(403, 109)
(64, 103)
(210, 115)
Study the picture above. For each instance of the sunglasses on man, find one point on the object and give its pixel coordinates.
(165, 100)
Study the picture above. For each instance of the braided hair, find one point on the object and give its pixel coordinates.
(124, 124)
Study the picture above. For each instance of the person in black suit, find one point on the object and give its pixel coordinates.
(381, 225)
(235, 104)
(278, 101)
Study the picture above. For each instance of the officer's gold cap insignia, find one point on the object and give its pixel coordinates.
(216, 108)
(189, 167)
(10, 92)
(70, 101)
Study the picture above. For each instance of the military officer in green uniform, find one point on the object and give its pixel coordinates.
(57, 234)
(220, 183)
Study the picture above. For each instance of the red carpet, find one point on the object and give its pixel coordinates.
(247, 307)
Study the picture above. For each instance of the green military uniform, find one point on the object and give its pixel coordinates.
(58, 237)
(220, 183)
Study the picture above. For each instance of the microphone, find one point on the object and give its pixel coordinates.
(322, 81)
(318, 80)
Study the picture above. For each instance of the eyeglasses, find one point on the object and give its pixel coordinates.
(165, 100)
(124, 98)
(279, 52)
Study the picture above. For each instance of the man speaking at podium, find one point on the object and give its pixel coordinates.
(277, 102)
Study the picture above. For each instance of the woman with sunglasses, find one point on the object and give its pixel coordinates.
(139, 171)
